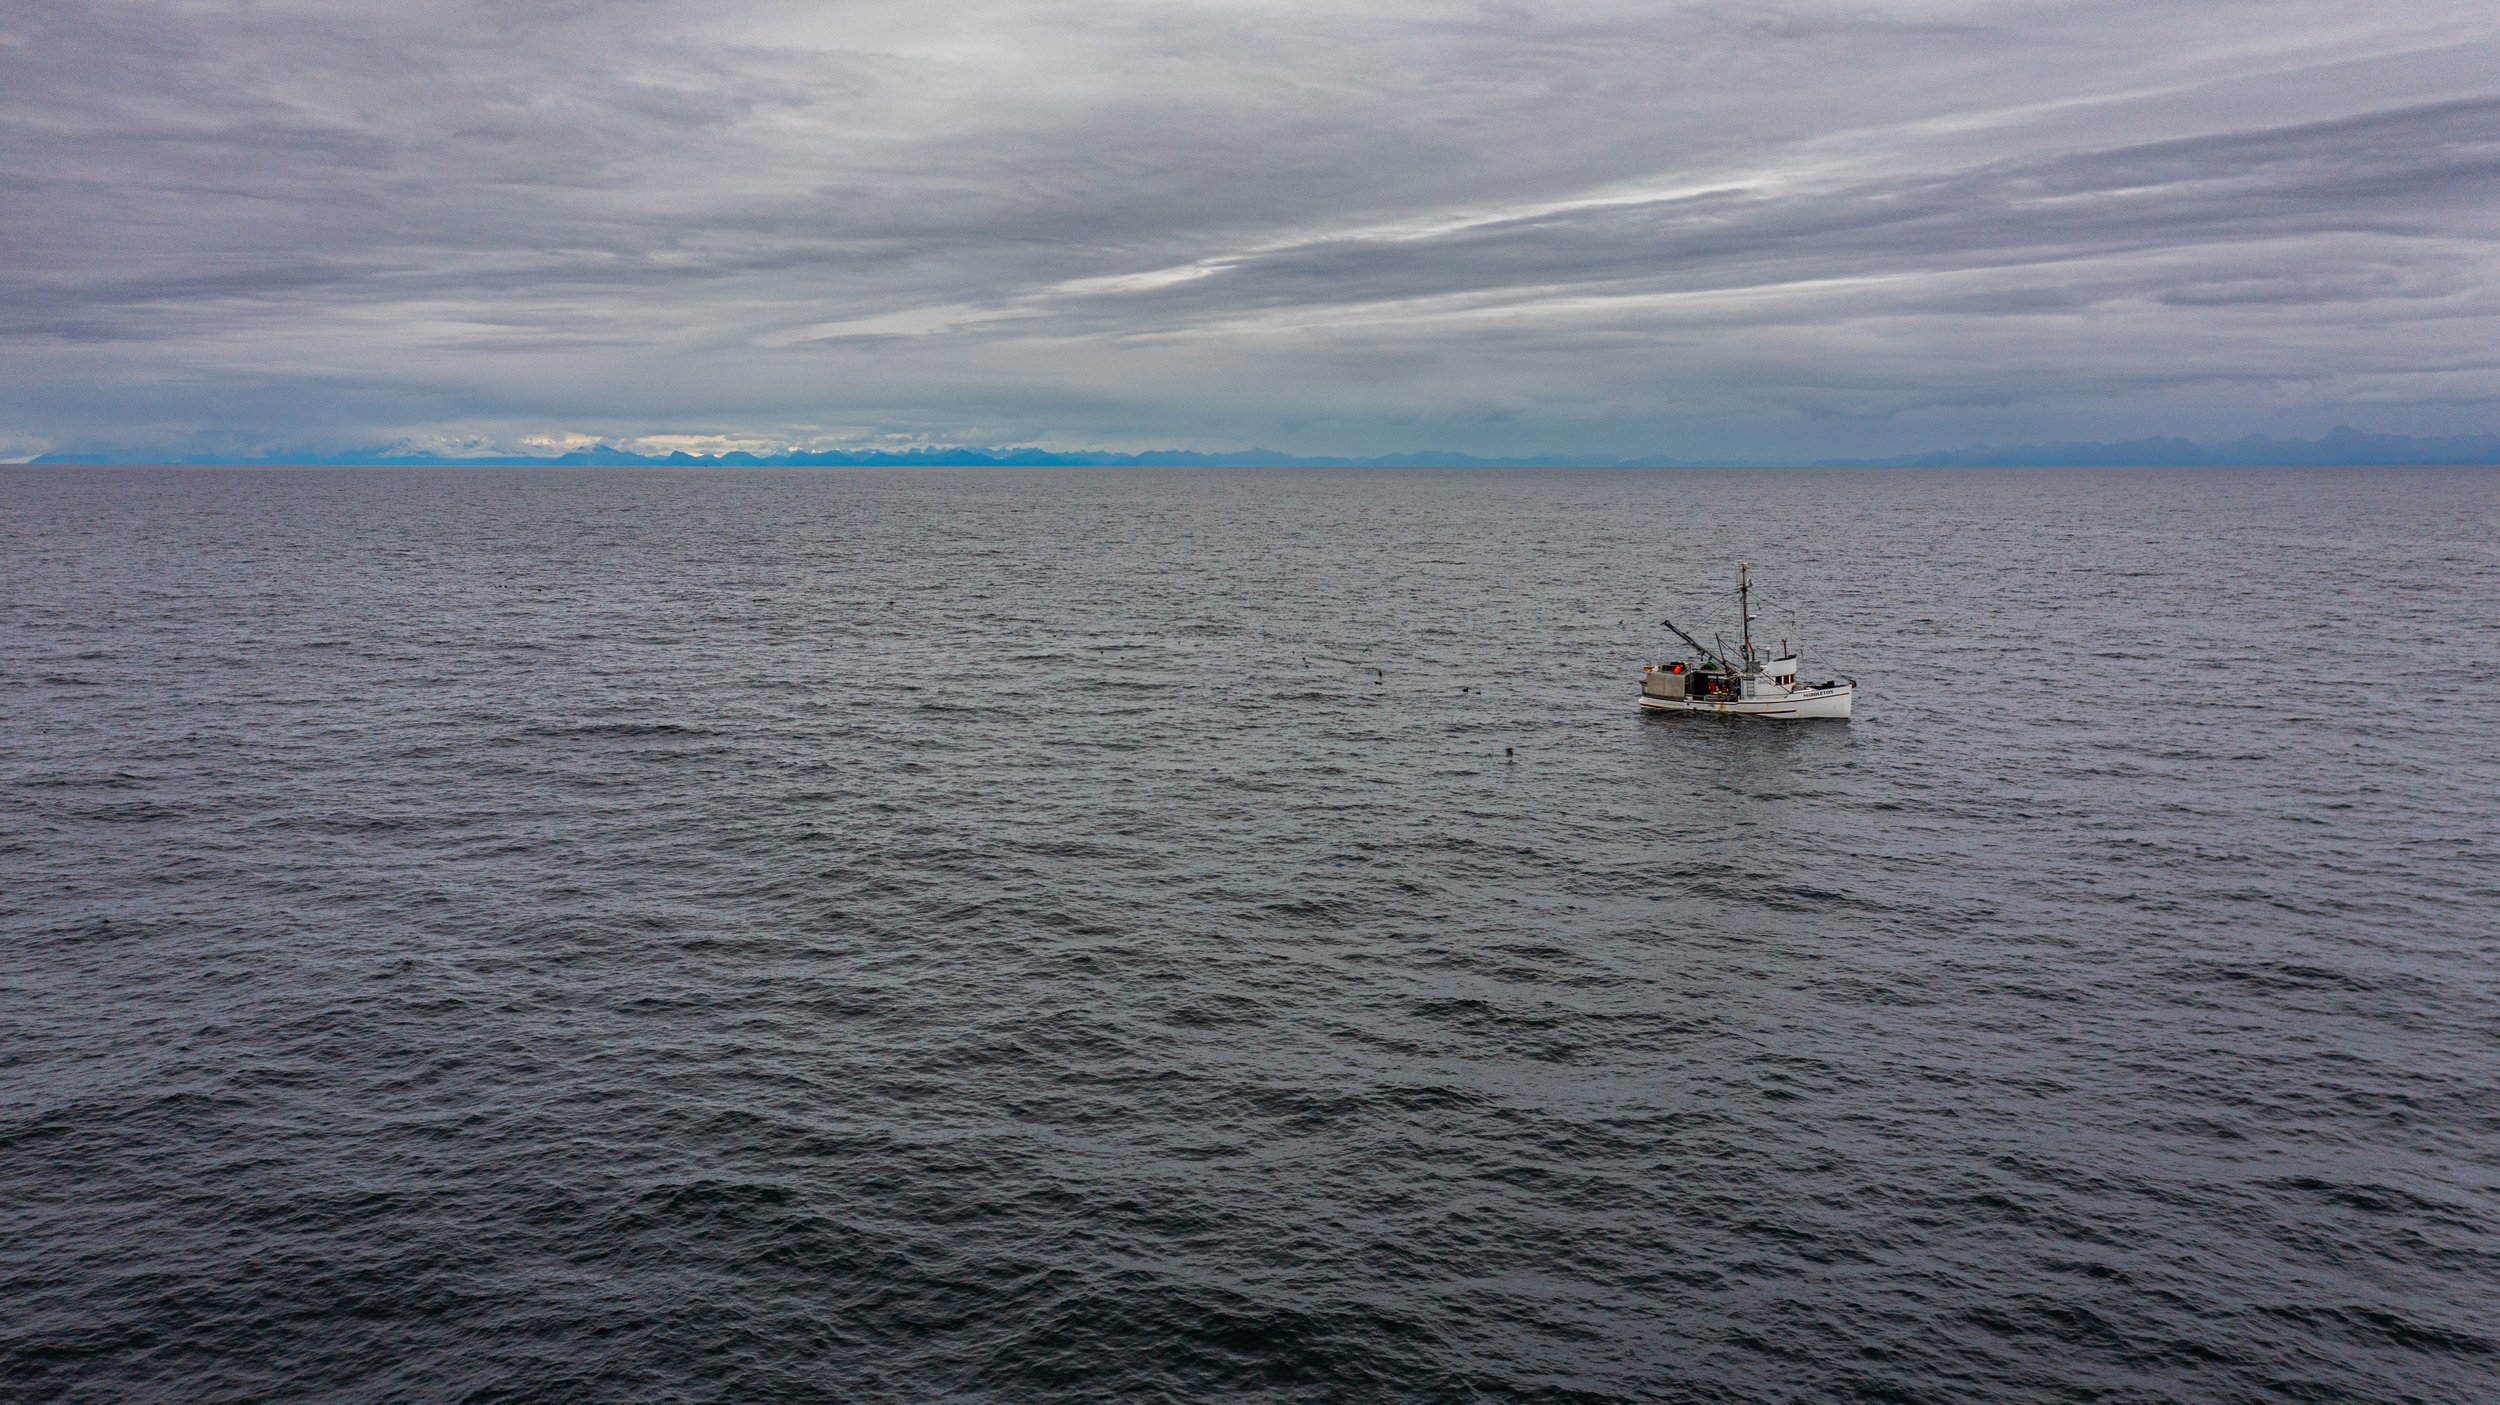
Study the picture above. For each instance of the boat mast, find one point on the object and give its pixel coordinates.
(1744, 607)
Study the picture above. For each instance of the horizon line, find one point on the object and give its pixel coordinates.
(2340, 447)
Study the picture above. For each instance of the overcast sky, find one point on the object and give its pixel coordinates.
(1590, 228)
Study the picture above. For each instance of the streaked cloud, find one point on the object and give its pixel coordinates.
(1818, 228)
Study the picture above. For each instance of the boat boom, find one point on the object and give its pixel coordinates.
(1697, 646)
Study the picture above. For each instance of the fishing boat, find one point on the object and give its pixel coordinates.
(1746, 681)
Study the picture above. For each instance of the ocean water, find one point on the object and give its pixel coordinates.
(1096, 935)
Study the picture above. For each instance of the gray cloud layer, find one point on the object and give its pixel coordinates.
(1593, 227)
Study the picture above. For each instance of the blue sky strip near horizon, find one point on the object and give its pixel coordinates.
(1593, 228)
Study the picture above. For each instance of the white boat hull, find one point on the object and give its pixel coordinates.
(1802, 704)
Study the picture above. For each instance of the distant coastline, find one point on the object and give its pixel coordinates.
(2342, 447)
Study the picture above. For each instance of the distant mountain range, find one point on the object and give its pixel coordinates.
(2343, 446)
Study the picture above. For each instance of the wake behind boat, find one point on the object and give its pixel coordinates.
(1744, 682)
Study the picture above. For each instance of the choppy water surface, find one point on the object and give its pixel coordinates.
(995, 937)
